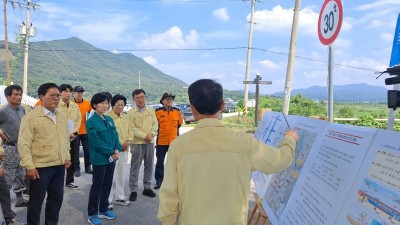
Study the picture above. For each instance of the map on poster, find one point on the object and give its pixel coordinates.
(270, 131)
(338, 169)
(281, 185)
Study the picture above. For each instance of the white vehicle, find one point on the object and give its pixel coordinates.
(127, 107)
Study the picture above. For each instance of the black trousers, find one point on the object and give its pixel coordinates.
(161, 152)
(74, 152)
(101, 187)
(51, 181)
(83, 138)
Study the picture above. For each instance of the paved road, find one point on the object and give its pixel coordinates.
(74, 208)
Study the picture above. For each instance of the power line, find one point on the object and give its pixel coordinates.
(201, 49)
(204, 49)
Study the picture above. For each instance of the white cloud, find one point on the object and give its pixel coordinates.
(366, 63)
(172, 38)
(150, 60)
(269, 64)
(378, 4)
(386, 37)
(110, 28)
(342, 43)
(221, 14)
(316, 74)
(279, 19)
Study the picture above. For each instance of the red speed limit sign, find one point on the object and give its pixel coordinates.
(330, 21)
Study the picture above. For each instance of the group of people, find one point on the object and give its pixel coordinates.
(207, 174)
(45, 144)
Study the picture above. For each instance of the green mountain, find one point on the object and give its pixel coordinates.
(344, 93)
(76, 62)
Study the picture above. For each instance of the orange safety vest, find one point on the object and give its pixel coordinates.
(85, 108)
(168, 124)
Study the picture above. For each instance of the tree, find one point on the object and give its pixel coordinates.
(346, 112)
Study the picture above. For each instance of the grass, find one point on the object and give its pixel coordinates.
(240, 123)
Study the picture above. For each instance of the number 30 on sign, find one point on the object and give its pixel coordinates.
(330, 21)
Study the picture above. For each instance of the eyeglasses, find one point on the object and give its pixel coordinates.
(119, 105)
(140, 97)
(55, 96)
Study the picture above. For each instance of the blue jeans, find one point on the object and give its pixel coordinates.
(101, 187)
(51, 181)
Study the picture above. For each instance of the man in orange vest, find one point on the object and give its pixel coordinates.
(84, 107)
(169, 120)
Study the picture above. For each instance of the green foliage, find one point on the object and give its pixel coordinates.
(240, 123)
(346, 112)
(18, 54)
(367, 120)
(273, 103)
(300, 105)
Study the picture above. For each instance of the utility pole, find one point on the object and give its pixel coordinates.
(26, 47)
(249, 45)
(6, 44)
(139, 80)
(292, 54)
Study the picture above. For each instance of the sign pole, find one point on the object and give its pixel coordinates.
(257, 81)
(330, 84)
(329, 24)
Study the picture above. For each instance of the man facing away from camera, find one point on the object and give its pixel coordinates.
(208, 169)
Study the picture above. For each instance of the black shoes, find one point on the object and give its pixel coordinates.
(158, 185)
(88, 170)
(133, 196)
(149, 193)
(78, 172)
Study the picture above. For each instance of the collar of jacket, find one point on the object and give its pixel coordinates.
(209, 122)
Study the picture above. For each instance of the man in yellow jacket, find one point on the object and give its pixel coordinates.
(143, 122)
(43, 147)
(71, 109)
(208, 170)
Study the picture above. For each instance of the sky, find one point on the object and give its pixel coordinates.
(194, 39)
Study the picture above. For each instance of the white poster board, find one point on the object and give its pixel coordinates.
(375, 196)
(281, 185)
(341, 175)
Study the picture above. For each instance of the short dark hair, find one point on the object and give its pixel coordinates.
(8, 90)
(98, 98)
(64, 87)
(137, 91)
(116, 98)
(42, 90)
(206, 96)
(109, 95)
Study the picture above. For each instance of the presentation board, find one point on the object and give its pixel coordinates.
(335, 177)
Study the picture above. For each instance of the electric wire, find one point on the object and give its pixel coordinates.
(76, 77)
(209, 49)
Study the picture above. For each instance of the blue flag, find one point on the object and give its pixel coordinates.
(395, 58)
